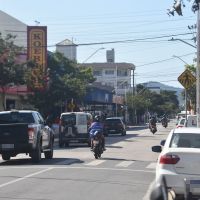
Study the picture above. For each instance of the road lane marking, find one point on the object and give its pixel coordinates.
(25, 177)
(124, 163)
(151, 165)
(95, 162)
(85, 167)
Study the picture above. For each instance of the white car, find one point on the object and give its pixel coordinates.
(179, 160)
(180, 123)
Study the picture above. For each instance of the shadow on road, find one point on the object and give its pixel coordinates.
(54, 161)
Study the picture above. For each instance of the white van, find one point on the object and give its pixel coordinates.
(191, 121)
(73, 127)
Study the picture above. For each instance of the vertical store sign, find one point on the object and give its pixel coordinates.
(37, 51)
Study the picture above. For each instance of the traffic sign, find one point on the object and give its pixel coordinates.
(187, 79)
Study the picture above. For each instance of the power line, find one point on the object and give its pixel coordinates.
(160, 61)
(128, 41)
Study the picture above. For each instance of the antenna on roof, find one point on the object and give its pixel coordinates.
(37, 22)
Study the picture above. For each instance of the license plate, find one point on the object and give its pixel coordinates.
(7, 146)
(96, 141)
(195, 186)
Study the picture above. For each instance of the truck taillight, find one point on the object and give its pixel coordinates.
(169, 159)
(31, 132)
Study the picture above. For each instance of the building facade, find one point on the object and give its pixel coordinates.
(11, 25)
(120, 76)
(68, 49)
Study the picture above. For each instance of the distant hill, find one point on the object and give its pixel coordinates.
(166, 87)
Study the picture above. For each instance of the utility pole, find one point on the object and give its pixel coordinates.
(198, 69)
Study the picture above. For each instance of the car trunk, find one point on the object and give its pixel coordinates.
(189, 162)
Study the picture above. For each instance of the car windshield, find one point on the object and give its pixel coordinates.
(16, 117)
(185, 140)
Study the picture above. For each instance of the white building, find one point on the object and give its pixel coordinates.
(117, 75)
(11, 25)
(68, 49)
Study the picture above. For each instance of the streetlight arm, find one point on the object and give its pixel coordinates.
(93, 54)
(180, 59)
(172, 39)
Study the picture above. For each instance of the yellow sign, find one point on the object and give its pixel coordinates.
(187, 79)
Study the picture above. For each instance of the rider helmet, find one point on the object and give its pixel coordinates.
(97, 118)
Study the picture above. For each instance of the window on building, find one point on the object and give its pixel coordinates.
(122, 72)
(109, 72)
(122, 85)
(110, 84)
(97, 73)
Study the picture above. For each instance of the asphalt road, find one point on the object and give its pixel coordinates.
(125, 171)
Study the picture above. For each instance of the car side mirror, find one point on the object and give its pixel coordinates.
(156, 149)
(162, 143)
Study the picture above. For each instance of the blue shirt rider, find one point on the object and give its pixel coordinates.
(96, 127)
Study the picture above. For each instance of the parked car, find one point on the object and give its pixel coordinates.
(180, 123)
(25, 131)
(191, 121)
(114, 125)
(179, 160)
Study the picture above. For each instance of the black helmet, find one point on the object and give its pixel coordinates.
(97, 118)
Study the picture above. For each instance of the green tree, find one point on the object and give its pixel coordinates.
(191, 92)
(66, 81)
(10, 72)
(146, 101)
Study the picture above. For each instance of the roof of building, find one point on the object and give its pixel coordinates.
(109, 65)
(10, 20)
(66, 42)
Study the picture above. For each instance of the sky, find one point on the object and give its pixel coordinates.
(140, 32)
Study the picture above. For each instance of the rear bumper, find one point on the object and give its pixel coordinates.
(177, 181)
(80, 138)
(114, 131)
(16, 149)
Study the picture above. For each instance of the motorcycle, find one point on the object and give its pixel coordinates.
(97, 147)
(164, 124)
(153, 128)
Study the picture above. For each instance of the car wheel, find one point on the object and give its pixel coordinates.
(49, 154)
(5, 156)
(36, 154)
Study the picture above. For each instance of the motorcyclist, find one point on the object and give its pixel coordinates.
(164, 119)
(152, 121)
(97, 127)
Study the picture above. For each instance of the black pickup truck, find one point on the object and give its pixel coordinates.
(25, 131)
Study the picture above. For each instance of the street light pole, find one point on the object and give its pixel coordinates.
(185, 89)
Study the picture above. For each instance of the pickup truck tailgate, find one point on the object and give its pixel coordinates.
(14, 133)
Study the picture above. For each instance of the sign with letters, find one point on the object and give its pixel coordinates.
(37, 51)
(187, 79)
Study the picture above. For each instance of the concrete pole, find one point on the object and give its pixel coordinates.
(198, 71)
